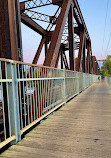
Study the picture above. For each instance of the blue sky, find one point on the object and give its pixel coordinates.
(94, 13)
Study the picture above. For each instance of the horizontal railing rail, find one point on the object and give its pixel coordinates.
(28, 93)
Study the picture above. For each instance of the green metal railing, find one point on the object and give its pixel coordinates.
(108, 79)
(30, 92)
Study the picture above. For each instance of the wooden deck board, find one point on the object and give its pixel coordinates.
(80, 129)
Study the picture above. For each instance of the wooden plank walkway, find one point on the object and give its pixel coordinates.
(81, 129)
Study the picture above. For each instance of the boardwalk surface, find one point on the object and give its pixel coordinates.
(81, 129)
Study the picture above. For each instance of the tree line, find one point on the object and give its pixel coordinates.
(106, 68)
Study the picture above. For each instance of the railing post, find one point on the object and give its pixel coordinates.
(13, 103)
(63, 86)
(78, 85)
(83, 81)
(90, 80)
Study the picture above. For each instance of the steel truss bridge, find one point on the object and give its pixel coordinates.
(65, 33)
(30, 92)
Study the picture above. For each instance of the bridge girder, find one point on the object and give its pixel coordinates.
(66, 27)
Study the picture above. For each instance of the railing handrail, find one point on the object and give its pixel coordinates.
(36, 92)
(35, 65)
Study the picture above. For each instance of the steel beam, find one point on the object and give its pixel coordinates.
(76, 18)
(18, 22)
(46, 47)
(35, 3)
(13, 29)
(93, 64)
(91, 67)
(40, 16)
(39, 50)
(81, 46)
(57, 61)
(76, 5)
(90, 63)
(8, 30)
(84, 57)
(88, 59)
(33, 25)
(61, 59)
(8, 43)
(54, 47)
(22, 7)
(65, 60)
(71, 38)
(57, 2)
(77, 31)
(77, 15)
(5, 44)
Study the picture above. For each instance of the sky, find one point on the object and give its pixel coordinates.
(94, 13)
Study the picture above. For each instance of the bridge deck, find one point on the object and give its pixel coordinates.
(81, 129)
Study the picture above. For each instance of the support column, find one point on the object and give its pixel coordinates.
(65, 60)
(81, 47)
(8, 41)
(88, 58)
(35, 60)
(61, 59)
(54, 47)
(46, 47)
(58, 58)
(18, 22)
(91, 64)
(71, 38)
(84, 58)
(8, 30)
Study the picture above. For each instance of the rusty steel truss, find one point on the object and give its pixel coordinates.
(65, 33)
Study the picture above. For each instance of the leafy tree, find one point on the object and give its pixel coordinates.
(106, 68)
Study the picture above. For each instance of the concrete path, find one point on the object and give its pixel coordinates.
(81, 129)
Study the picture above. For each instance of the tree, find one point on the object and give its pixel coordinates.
(106, 68)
